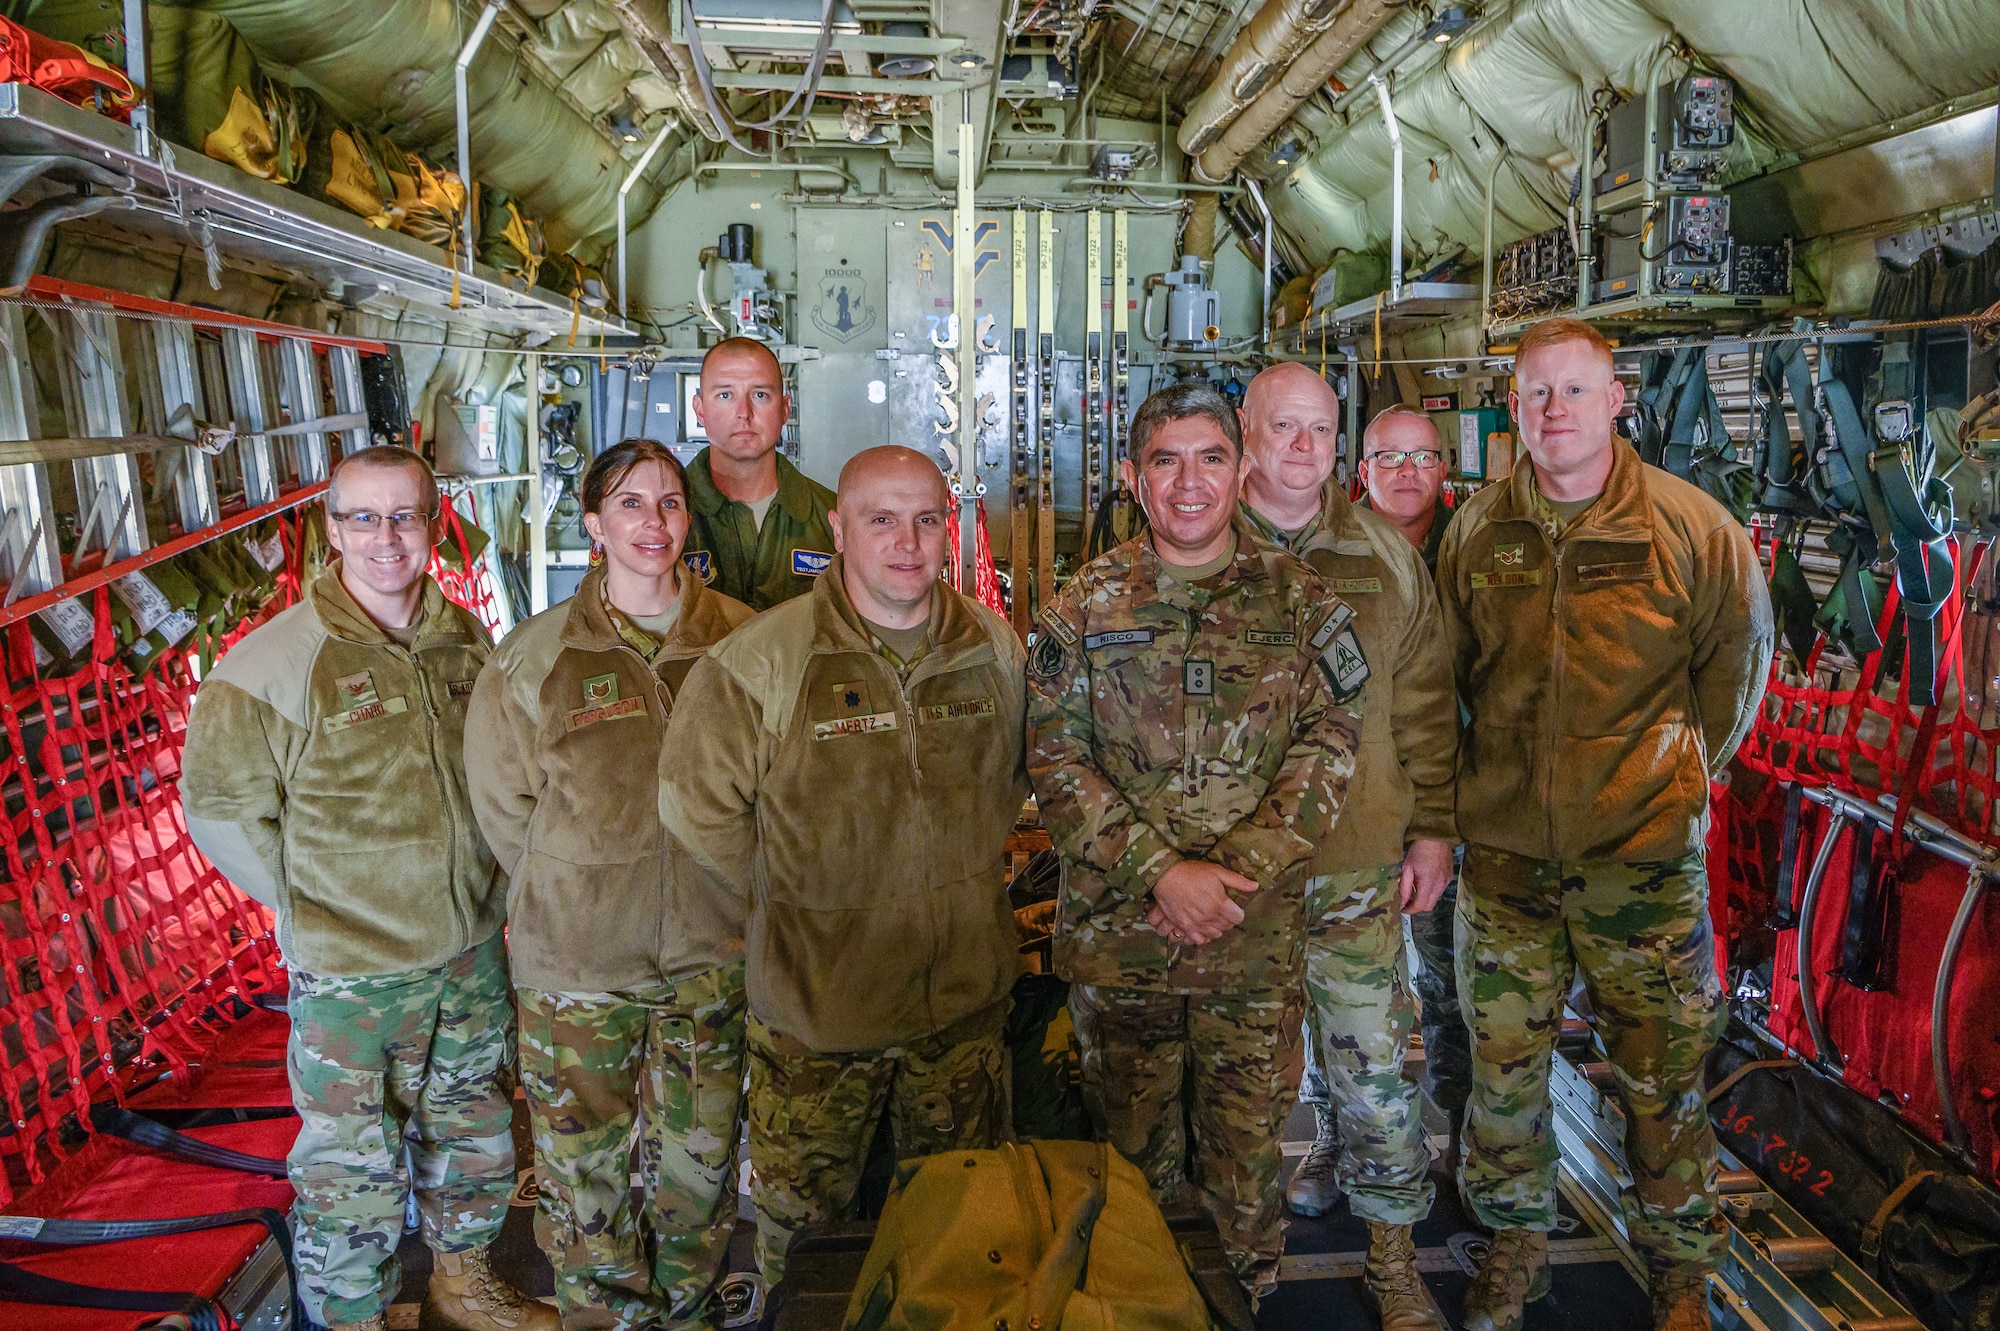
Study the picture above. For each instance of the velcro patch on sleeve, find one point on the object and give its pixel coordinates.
(1345, 665)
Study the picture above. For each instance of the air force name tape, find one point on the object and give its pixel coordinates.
(1340, 657)
(810, 563)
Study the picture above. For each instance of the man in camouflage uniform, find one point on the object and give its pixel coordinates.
(761, 529)
(849, 764)
(1390, 854)
(324, 775)
(1188, 748)
(1610, 631)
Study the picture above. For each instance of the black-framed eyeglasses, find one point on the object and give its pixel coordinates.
(1423, 458)
(364, 523)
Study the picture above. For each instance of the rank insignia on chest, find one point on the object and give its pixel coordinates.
(701, 563)
(357, 690)
(599, 690)
(1509, 556)
(1198, 679)
(850, 700)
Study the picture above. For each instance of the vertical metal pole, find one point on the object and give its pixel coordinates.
(298, 369)
(348, 394)
(250, 404)
(1269, 228)
(179, 378)
(538, 530)
(137, 50)
(27, 515)
(458, 69)
(964, 301)
(1395, 190)
(109, 489)
(1486, 247)
(631, 179)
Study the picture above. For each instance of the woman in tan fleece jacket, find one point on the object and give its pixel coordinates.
(630, 987)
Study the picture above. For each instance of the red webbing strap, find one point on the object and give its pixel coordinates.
(989, 594)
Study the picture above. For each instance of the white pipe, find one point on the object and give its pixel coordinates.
(1258, 194)
(1395, 190)
(631, 179)
(538, 527)
(458, 68)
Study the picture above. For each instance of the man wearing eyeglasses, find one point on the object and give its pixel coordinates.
(324, 775)
(1390, 853)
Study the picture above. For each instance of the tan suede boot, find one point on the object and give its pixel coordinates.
(1515, 1273)
(1680, 1298)
(379, 1322)
(1315, 1185)
(468, 1293)
(1391, 1286)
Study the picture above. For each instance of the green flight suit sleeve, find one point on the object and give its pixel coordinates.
(1425, 717)
(711, 766)
(502, 777)
(232, 787)
(1733, 633)
(1087, 817)
(1306, 794)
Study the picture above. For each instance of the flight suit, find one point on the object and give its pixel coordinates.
(1166, 722)
(1357, 976)
(324, 775)
(1610, 666)
(759, 566)
(630, 991)
(858, 806)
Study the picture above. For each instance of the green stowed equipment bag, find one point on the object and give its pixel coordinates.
(1053, 1235)
(1681, 429)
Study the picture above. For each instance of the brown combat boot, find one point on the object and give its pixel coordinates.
(1391, 1287)
(466, 1292)
(379, 1322)
(1315, 1185)
(1515, 1273)
(1680, 1297)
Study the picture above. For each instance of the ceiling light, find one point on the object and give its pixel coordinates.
(1285, 153)
(1449, 22)
(907, 64)
(625, 129)
(968, 60)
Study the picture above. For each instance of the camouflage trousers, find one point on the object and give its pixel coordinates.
(1447, 1042)
(813, 1115)
(420, 1058)
(1222, 1068)
(1360, 1016)
(661, 1068)
(1640, 936)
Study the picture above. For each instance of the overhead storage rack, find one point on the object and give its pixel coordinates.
(180, 191)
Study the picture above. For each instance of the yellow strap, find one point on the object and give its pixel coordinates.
(454, 268)
(1378, 330)
(575, 317)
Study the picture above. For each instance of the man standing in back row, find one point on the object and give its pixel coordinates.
(1190, 743)
(1391, 852)
(760, 532)
(1610, 631)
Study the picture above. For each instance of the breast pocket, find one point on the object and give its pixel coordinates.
(1138, 690)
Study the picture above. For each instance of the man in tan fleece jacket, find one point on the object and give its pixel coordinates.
(850, 763)
(323, 774)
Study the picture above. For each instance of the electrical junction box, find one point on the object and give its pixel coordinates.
(1475, 426)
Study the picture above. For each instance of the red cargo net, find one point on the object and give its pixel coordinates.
(122, 949)
(989, 592)
(472, 586)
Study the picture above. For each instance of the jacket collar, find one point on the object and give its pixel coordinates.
(838, 627)
(1271, 534)
(794, 491)
(1622, 513)
(1433, 538)
(1246, 569)
(344, 618)
(699, 626)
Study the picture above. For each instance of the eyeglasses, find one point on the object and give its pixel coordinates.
(367, 524)
(1392, 458)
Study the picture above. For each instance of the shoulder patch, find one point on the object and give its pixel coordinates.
(1344, 664)
(1051, 621)
(701, 563)
(1046, 659)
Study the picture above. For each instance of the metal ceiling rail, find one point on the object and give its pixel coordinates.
(181, 191)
